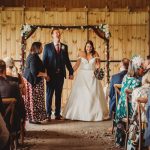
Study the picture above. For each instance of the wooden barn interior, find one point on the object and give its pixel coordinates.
(129, 25)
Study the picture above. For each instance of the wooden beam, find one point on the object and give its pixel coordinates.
(85, 9)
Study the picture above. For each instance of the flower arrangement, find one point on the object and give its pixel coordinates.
(105, 29)
(99, 73)
(25, 30)
(137, 61)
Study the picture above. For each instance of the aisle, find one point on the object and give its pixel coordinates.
(69, 135)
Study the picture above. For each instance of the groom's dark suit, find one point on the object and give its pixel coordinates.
(55, 64)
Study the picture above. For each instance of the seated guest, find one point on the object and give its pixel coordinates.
(9, 89)
(130, 82)
(140, 93)
(117, 79)
(13, 75)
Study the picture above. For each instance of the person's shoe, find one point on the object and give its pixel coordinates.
(34, 122)
(47, 120)
(58, 117)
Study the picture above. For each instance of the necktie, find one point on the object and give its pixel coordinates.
(57, 48)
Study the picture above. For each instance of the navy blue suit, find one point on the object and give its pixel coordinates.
(55, 64)
(116, 79)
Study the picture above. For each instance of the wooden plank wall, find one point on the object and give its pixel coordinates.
(129, 31)
(77, 3)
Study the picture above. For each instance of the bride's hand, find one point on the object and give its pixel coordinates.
(97, 66)
(47, 78)
(71, 77)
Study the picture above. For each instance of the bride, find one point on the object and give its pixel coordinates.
(86, 101)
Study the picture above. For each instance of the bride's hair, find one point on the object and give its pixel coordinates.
(93, 49)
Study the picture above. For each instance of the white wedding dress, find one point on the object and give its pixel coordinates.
(86, 101)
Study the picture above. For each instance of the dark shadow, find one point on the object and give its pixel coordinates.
(48, 135)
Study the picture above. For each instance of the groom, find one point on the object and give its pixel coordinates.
(56, 59)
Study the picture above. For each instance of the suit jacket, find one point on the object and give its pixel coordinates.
(116, 79)
(49, 59)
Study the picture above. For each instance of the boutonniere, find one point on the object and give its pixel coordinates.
(62, 47)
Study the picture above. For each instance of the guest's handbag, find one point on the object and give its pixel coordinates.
(99, 73)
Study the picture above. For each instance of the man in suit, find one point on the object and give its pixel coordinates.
(56, 59)
(117, 79)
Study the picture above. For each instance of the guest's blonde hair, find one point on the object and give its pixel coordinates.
(146, 78)
(11, 69)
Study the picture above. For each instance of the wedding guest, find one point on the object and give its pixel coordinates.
(13, 75)
(140, 93)
(130, 82)
(9, 89)
(34, 75)
(117, 79)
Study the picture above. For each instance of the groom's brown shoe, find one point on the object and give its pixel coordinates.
(58, 117)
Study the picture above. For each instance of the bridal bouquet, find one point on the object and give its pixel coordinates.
(99, 73)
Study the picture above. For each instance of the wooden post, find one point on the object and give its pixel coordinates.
(23, 47)
(107, 61)
(87, 23)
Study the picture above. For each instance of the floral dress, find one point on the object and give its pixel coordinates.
(127, 83)
(140, 92)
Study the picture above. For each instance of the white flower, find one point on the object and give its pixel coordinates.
(62, 47)
(105, 29)
(137, 61)
(25, 29)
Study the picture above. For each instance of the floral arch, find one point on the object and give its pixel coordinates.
(102, 31)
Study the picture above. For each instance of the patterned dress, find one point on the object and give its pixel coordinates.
(140, 92)
(34, 101)
(127, 83)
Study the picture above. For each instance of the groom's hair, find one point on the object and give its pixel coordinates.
(54, 30)
(125, 62)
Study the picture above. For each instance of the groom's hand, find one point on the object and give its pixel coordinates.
(71, 77)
